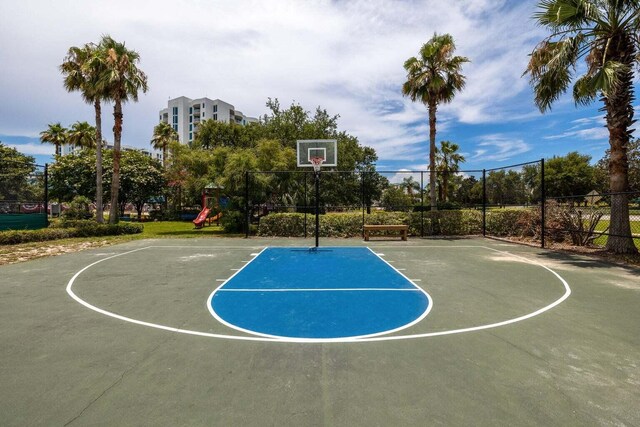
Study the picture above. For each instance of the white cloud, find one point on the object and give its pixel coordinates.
(498, 147)
(597, 133)
(33, 149)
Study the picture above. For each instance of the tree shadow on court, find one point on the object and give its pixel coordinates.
(600, 259)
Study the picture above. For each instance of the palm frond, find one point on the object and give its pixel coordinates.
(567, 13)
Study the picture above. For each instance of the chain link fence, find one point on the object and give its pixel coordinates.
(589, 220)
(23, 195)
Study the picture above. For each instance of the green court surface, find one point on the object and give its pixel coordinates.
(516, 336)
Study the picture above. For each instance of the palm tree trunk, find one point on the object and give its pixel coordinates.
(445, 184)
(619, 108)
(99, 209)
(115, 182)
(432, 154)
(164, 155)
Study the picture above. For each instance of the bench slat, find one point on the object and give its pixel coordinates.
(403, 229)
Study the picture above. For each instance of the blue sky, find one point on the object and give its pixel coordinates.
(345, 56)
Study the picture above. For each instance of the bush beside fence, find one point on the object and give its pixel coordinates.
(63, 231)
(502, 222)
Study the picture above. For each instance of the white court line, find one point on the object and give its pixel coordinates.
(548, 307)
(317, 290)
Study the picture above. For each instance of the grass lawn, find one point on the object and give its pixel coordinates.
(604, 224)
(152, 230)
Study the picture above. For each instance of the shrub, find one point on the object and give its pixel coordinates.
(84, 229)
(503, 222)
(71, 223)
(350, 224)
(79, 208)
(232, 221)
(283, 224)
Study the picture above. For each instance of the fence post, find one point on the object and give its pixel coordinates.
(317, 182)
(364, 202)
(46, 193)
(246, 200)
(306, 204)
(484, 202)
(421, 203)
(543, 201)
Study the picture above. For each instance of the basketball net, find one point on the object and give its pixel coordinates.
(316, 162)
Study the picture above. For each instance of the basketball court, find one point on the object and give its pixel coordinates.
(270, 332)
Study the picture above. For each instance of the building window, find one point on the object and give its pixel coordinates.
(190, 136)
(190, 110)
(175, 111)
(190, 127)
(215, 108)
(175, 127)
(203, 105)
(175, 120)
(202, 113)
(160, 117)
(215, 117)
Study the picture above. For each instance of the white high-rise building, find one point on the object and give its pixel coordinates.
(184, 114)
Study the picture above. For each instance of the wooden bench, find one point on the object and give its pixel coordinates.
(402, 229)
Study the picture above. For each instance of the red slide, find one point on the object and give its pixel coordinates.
(202, 217)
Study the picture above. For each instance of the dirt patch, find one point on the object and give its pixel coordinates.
(19, 253)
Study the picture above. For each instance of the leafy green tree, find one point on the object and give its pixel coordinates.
(56, 134)
(531, 178)
(82, 69)
(469, 191)
(505, 188)
(447, 164)
(605, 34)
(163, 135)
(79, 208)
(122, 80)
(15, 172)
(373, 183)
(394, 198)
(73, 175)
(142, 179)
(82, 134)
(570, 175)
(433, 78)
(212, 133)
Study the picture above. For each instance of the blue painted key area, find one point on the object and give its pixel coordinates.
(330, 293)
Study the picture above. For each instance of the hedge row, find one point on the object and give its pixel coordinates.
(503, 222)
(81, 229)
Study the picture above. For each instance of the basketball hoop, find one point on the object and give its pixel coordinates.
(316, 162)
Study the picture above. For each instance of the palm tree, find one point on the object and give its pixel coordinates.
(410, 185)
(448, 160)
(82, 69)
(163, 135)
(434, 78)
(56, 134)
(83, 135)
(121, 81)
(605, 34)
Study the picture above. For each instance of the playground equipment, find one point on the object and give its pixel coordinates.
(210, 202)
(203, 217)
